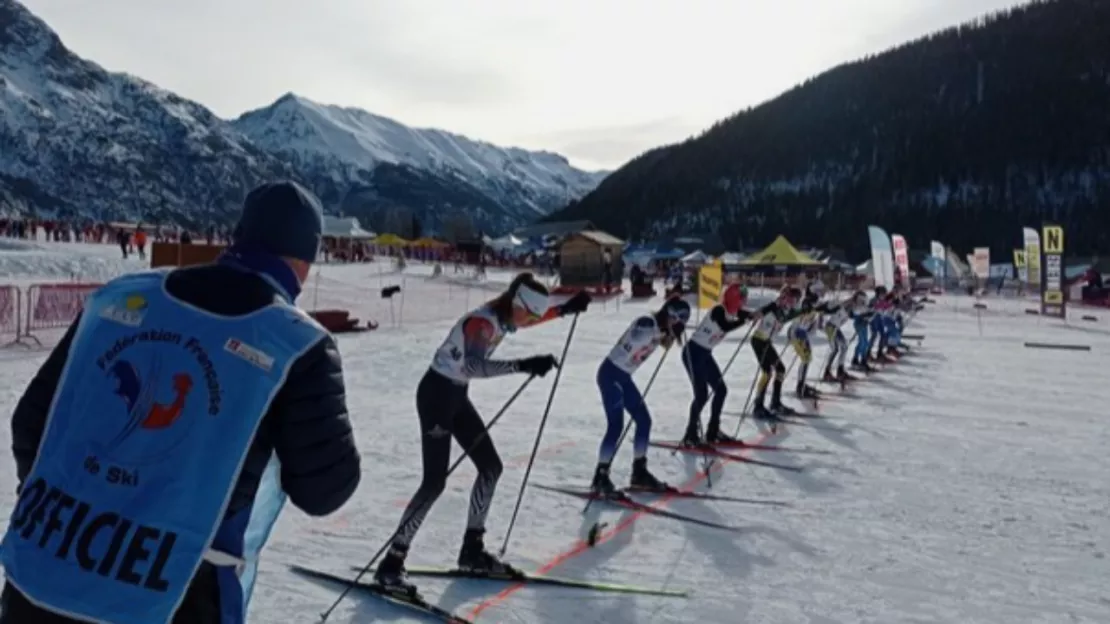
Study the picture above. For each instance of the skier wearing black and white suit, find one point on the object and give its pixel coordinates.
(702, 367)
(445, 412)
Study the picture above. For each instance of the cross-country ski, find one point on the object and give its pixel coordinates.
(720, 454)
(536, 579)
(624, 499)
(407, 602)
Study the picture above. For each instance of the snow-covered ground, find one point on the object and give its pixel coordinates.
(967, 483)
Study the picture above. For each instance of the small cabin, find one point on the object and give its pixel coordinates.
(582, 259)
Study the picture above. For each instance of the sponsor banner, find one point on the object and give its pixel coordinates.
(1032, 242)
(1052, 281)
(1019, 264)
(981, 262)
(901, 258)
(710, 278)
(882, 256)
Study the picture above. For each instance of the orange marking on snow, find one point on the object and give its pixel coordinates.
(581, 546)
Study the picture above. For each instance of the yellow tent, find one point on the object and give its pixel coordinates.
(780, 257)
(429, 243)
(390, 240)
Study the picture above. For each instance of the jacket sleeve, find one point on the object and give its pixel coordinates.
(718, 315)
(29, 418)
(312, 435)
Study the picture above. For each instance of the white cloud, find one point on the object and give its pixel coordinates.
(519, 72)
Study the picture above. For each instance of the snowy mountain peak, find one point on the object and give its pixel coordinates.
(79, 141)
(348, 141)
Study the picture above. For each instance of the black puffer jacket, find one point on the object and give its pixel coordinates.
(307, 424)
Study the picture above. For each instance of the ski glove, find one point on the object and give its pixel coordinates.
(537, 365)
(576, 304)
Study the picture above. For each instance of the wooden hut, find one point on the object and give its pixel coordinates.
(582, 260)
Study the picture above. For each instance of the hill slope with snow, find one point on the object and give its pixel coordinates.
(357, 160)
(79, 141)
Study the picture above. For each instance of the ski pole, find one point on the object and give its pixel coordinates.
(539, 435)
(732, 359)
(405, 520)
(628, 425)
(747, 402)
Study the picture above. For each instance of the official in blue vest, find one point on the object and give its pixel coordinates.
(158, 442)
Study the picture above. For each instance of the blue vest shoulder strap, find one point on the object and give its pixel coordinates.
(157, 406)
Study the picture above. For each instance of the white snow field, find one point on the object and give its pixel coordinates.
(967, 483)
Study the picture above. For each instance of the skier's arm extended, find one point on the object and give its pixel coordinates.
(727, 324)
(29, 418)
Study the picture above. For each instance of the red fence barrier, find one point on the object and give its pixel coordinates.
(54, 306)
(9, 311)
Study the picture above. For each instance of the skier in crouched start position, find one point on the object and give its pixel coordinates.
(769, 321)
(863, 319)
(838, 314)
(701, 366)
(445, 411)
(808, 318)
(619, 392)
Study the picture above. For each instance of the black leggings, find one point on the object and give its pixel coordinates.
(768, 358)
(445, 411)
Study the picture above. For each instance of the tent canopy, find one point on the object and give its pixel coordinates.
(429, 243)
(390, 240)
(778, 257)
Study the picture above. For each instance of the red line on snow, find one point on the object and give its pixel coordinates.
(581, 546)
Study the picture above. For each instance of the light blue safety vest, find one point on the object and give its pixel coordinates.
(155, 411)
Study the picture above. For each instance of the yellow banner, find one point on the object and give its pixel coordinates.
(710, 279)
(1053, 282)
(1019, 258)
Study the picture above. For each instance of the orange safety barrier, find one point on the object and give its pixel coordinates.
(54, 306)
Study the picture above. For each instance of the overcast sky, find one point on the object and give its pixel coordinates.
(597, 80)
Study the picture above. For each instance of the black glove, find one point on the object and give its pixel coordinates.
(537, 365)
(576, 304)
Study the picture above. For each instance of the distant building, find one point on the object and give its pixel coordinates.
(582, 259)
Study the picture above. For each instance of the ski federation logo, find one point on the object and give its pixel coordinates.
(251, 354)
(140, 398)
(129, 312)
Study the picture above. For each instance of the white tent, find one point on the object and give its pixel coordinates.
(698, 257)
(345, 227)
(505, 242)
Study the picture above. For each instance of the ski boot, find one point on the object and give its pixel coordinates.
(642, 479)
(779, 410)
(763, 414)
(806, 391)
(692, 439)
(474, 558)
(842, 375)
(391, 574)
(715, 436)
(828, 377)
(602, 485)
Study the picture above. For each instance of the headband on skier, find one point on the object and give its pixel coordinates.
(532, 301)
(678, 311)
